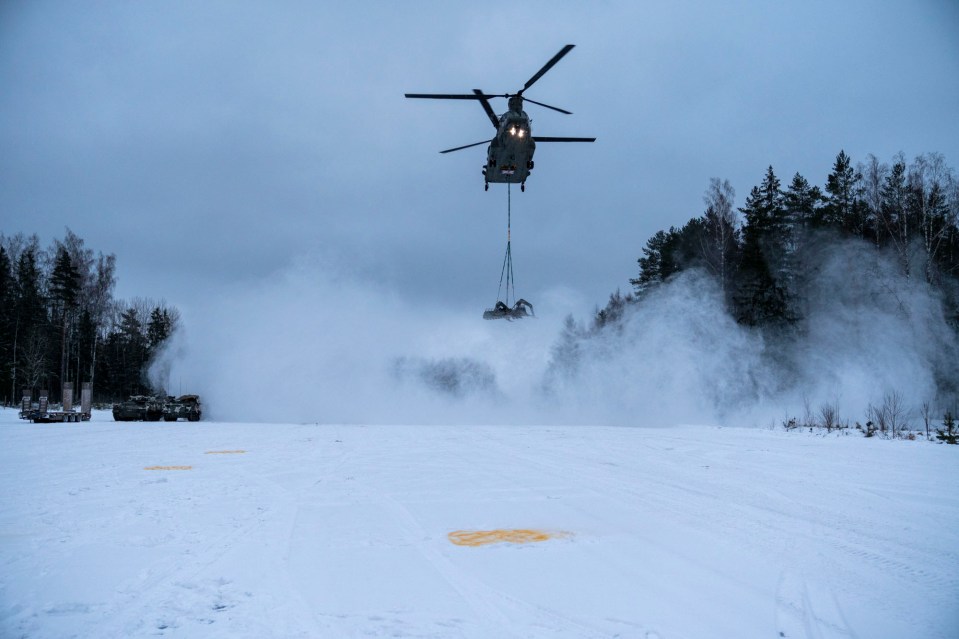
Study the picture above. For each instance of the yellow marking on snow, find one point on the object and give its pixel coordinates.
(498, 536)
(168, 468)
(224, 452)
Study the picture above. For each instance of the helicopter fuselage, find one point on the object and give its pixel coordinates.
(509, 157)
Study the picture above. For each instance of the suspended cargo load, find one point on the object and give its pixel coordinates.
(500, 310)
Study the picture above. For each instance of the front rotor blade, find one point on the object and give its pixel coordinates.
(549, 107)
(467, 146)
(486, 107)
(537, 138)
(549, 65)
(442, 96)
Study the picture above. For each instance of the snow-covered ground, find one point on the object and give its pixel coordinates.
(344, 531)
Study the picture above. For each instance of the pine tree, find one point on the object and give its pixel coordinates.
(65, 280)
(567, 353)
(158, 328)
(657, 262)
(800, 208)
(134, 355)
(613, 312)
(800, 203)
(64, 291)
(30, 302)
(894, 212)
(948, 432)
(31, 324)
(669, 252)
(777, 239)
(86, 345)
(844, 208)
(759, 299)
(7, 298)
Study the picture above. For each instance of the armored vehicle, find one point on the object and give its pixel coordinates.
(138, 408)
(185, 406)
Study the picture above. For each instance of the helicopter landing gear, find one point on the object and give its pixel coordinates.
(486, 187)
(522, 187)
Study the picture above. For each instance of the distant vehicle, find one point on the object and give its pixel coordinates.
(509, 157)
(41, 413)
(139, 408)
(183, 407)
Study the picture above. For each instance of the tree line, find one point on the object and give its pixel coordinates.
(766, 255)
(910, 210)
(59, 322)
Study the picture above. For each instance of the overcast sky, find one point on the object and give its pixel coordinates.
(212, 143)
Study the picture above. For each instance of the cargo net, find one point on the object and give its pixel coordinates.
(519, 308)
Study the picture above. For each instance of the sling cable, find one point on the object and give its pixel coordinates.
(502, 309)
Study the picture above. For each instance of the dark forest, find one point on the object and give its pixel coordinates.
(59, 322)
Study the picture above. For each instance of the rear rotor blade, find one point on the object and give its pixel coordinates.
(486, 107)
(546, 67)
(549, 107)
(466, 146)
(442, 96)
(550, 139)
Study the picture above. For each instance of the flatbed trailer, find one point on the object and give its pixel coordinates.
(40, 413)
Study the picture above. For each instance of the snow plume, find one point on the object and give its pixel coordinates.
(871, 331)
(316, 345)
(677, 356)
(455, 376)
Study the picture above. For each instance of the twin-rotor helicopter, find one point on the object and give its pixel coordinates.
(509, 157)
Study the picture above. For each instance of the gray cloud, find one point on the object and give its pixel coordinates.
(213, 143)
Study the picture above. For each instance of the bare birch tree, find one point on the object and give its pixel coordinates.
(721, 240)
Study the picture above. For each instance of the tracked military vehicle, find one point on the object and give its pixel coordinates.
(183, 407)
(139, 408)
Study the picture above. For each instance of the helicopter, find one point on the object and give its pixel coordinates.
(509, 157)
